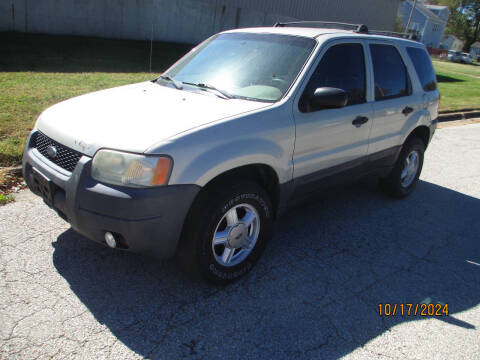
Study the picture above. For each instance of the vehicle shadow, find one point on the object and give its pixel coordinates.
(444, 78)
(314, 294)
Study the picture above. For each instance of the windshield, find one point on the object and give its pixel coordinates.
(250, 66)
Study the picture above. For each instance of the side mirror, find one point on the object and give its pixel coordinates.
(327, 98)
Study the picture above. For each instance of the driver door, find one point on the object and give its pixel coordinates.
(330, 141)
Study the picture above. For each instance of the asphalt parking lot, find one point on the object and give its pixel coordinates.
(314, 294)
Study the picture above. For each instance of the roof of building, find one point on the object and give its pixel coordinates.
(439, 11)
(476, 44)
(436, 7)
(423, 8)
(446, 36)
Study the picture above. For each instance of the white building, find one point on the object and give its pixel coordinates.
(451, 42)
(428, 21)
(475, 50)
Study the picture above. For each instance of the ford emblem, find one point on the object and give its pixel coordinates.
(52, 152)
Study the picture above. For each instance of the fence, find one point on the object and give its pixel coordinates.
(438, 53)
(185, 21)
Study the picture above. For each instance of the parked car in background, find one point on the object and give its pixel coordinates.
(455, 56)
(200, 161)
(467, 58)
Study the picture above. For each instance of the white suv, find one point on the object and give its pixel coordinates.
(200, 161)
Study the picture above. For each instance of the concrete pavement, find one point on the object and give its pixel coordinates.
(314, 294)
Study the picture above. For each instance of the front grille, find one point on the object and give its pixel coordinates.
(65, 157)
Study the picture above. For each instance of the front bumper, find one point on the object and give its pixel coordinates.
(146, 220)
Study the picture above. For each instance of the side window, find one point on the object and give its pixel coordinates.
(342, 67)
(391, 76)
(423, 67)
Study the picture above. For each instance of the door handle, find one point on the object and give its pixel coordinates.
(407, 111)
(359, 121)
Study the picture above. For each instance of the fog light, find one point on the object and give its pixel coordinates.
(110, 240)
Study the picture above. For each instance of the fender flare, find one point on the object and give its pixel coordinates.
(219, 159)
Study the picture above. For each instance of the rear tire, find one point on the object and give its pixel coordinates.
(226, 232)
(404, 176)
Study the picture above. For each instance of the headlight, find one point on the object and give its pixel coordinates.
(132, 170)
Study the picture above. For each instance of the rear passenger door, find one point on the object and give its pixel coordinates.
(427, 79)
(394, 101)
(327, 142)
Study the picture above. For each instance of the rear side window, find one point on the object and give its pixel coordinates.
(423, 67)
(391, 76)
(342, 67)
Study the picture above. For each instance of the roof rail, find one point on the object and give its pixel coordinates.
(391, 33)
(359, 28)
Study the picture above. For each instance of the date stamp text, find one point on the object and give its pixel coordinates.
(406, 309)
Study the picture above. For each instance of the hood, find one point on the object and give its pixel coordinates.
(134, 117)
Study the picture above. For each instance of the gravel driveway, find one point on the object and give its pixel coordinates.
(314, 294)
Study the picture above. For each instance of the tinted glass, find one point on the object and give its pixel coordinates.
(342, 67)
(391, 76)
(423, 67)
(249, 66)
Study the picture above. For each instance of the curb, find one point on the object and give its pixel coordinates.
(459, 116)
(459, 110)
(453, 123)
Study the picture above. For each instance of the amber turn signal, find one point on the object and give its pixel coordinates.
(161, 171)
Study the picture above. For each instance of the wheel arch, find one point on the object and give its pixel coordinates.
(422, 132)
(262, 174)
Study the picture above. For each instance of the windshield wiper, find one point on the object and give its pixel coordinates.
(225, 94)
(175, 83)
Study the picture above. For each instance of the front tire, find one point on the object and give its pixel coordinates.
(406, 172)
(226, 232)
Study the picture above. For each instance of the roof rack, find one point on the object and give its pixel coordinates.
(391, 33)
(359, 28)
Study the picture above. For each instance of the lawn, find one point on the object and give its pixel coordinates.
(37, 71)
(459, 85)
(24, 95)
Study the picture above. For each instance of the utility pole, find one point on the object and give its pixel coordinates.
(151, 49)
(411, 15)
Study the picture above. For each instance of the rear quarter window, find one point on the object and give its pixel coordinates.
(423, 66)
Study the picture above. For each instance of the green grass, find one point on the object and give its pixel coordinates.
(24, 95)
(459, 85)
(37, 71)
(5, 199)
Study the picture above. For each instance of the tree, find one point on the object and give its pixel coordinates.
(398, 26)
(464, 21)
